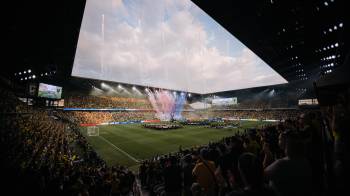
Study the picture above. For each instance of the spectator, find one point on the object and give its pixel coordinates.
(204, 173)
(251, 172)
(172, 178)
(188, 179)
(294, 169)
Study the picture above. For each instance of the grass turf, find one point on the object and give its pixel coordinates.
(127, 144)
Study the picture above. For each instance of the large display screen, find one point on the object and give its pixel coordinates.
(225, 101)
(308, 102)
(170, 44)
(49, 91)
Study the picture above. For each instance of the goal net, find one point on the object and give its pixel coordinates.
(93, 131)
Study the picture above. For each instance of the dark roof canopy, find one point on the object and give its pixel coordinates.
(301, 40)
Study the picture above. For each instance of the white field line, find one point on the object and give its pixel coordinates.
(120, 150)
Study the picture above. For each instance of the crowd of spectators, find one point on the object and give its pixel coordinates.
(281, 101)
(104, 117)
(43, 152)
(261, 110)
(245, 114)
(285, 159)
(47, 155)
(86, 117)
(107, 102)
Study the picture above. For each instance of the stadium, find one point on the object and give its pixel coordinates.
(175, 98)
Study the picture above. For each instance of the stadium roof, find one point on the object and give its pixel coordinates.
(301, 40)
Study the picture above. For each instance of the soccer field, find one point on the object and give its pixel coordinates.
(129, 144)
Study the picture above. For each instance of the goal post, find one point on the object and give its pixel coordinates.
(93, 131)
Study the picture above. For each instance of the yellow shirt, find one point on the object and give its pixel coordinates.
(203, 175)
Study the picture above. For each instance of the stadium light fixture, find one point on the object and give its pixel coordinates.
(104, 86)
(24, 72)
(29, 70)
(136, 90)
(108, 87)
(97, 89)
(25, 78)
(20, 73)
(34, 76)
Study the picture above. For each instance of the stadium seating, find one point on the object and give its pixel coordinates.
(107, 102)
(50, 156)
(261, 114)
(44, 151)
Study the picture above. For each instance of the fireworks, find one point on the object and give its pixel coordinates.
(167, 105)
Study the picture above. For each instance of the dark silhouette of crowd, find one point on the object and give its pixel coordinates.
(294, 157)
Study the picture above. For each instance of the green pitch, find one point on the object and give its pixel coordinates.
(129, 144)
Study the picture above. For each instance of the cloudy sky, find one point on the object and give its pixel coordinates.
(170, 44)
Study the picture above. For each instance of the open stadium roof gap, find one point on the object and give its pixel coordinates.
(165, 44)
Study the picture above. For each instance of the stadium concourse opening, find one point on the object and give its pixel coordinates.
(175, 98)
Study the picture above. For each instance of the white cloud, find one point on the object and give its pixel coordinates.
(161, 43)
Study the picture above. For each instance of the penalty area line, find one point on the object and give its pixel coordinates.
(120, 150)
